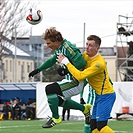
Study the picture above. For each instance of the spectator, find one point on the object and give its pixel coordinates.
(64, 110)
(6, 112)
(16, 110)
(30, 113)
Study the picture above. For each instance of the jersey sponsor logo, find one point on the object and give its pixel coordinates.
(97, 65)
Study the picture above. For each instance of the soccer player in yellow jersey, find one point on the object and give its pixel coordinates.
(96, 73)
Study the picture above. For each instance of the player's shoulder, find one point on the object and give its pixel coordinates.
(100, 63)
(67, 43)
(85, 55)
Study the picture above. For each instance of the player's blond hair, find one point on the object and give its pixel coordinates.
(52, 34)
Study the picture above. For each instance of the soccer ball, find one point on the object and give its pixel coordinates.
(34, 17)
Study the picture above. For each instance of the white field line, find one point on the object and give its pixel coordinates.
(25, 126)
(16, 126)
(56, 130)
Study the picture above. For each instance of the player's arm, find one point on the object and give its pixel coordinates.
(47, 64)
(80, 75)
(77, 59)
(74, 55)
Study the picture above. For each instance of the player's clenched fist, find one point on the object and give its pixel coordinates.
(34, 72)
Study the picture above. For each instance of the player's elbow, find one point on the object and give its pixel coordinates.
(80, 78)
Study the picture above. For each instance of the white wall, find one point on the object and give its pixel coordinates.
(127, 88)
(126, 99)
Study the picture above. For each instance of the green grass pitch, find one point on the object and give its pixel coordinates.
(35, 126)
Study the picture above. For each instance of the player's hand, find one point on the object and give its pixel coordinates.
(34, 72)
(62, 71)
(62, 59)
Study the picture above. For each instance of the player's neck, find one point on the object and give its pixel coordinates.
(93, 56)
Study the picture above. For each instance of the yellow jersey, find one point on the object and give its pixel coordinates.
(96, 73)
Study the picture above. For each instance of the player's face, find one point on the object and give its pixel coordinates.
(52, 45)
(91, 48)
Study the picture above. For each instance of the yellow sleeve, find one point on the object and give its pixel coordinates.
(86, 73)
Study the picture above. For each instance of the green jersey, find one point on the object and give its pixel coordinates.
(70, 51)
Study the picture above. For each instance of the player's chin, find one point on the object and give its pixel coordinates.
(51, 48)
(88, 53)
(54, 48)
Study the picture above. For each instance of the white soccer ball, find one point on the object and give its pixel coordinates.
(34, 17)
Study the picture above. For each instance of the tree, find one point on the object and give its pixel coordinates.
(12, 16)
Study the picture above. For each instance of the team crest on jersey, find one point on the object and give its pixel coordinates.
(97, 65)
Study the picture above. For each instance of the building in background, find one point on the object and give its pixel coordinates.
(36, 47)
(32, 52)
(16, 66)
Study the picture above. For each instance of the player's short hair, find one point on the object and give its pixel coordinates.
(52, 34)
(95, 38)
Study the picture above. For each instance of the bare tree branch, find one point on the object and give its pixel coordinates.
(12, 14)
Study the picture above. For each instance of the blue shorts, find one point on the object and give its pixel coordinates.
(103, 106)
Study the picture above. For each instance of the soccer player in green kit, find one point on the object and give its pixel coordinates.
(90, 100)
(59, 93)
(96, 73)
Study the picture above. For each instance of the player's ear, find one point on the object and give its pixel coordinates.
(97, 48)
